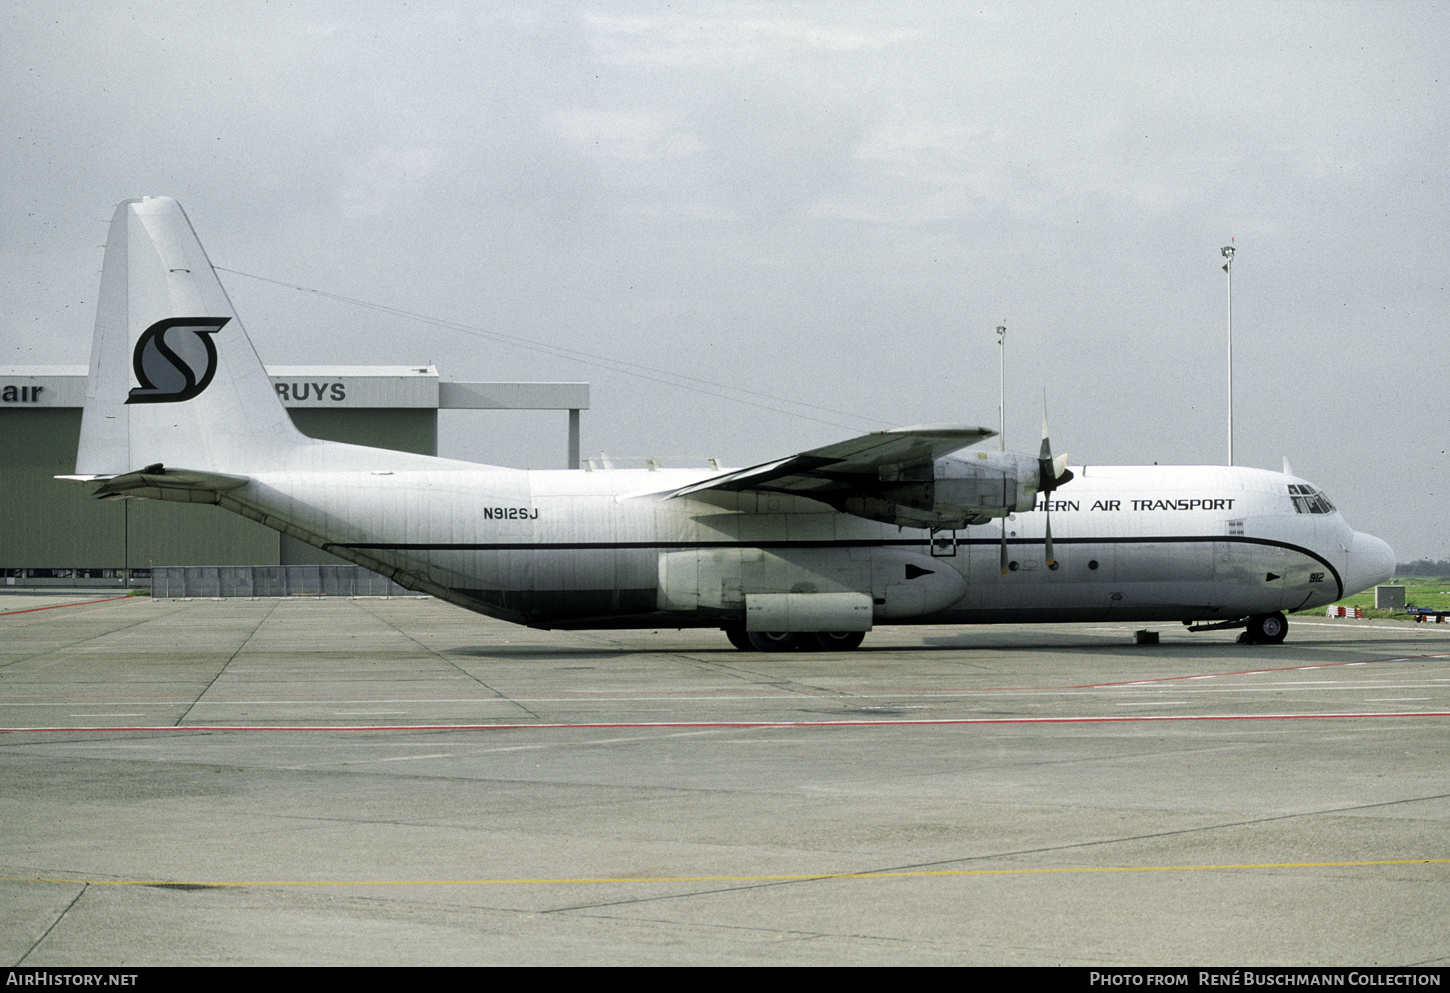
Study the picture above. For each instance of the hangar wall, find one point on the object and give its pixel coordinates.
(53, 526)
(55, 533)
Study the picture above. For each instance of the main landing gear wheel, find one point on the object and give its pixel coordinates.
(773, 641)
(837, 641)
(1268, 629)
(785, 641)
(738, 637)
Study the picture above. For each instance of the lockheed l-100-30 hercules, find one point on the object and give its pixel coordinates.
(904, 526)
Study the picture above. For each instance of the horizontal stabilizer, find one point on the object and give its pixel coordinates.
(152, 480)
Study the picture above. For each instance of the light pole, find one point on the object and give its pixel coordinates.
(1228, 254)
(1002, 387)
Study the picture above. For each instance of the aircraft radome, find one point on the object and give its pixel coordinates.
(809, 550)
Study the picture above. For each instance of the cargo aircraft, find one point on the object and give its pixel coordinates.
(810, 550)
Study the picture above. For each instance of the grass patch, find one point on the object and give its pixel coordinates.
(1420, 591)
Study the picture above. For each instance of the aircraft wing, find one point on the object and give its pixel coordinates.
(847, 465)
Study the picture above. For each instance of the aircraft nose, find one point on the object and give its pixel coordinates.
(1371, 562)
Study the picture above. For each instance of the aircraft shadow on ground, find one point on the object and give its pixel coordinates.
(547, 652)
(1289, 652)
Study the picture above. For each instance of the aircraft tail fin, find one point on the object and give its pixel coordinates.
(174, 379)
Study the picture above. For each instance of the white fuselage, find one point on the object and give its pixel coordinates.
(824, 542)
(606, 548)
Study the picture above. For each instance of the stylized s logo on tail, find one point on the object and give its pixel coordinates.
(175, 359)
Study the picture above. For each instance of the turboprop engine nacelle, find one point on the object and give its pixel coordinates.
(955, 491)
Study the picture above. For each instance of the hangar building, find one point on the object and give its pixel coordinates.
(56, 533)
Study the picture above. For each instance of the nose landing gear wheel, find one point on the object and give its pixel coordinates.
(1268, 629)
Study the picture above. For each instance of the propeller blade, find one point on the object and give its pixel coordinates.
(1045, 454)
(1005, 570)
(1046, 471)
(1051, 472)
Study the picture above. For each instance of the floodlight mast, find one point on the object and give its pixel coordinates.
(1228, 253)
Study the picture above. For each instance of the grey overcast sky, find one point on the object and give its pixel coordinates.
(818, 212)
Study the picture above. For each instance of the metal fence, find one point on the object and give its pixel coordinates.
(270, 580)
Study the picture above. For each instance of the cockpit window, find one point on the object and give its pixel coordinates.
(1308, 500)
